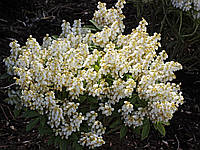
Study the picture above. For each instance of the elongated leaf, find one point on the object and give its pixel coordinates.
(96, 68)
(30, 114)
(155, 126)
(63, 145)
(82, 98)
(115, 123)
(32, 124)
(17, 112)
(57, 140)
(96, 25)
(92, 99)
(84, 127)
(55, 37)
(145, 130)
(166, 123)
(123, 131)
(90, 27)
(76, 146)
(4, 76)
(43, 121)
(128, 76)
(45, 130)
(51, 140)
(133, 100)
(161, 128)
(73, 138)
(137, 130)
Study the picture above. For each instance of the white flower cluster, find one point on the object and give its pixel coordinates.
(132, 117)
(106, 109)
(106, 17)
(186, 5)
(94, 138)
(91, 140)
(10, 62)
(14, 97)
(106, 65)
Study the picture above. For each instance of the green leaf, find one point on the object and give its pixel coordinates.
(51, 140)
(161, 128)
(137, 130)
(90, 27)
(74, 137)
(96, 25)
(17, 112)
(55, 37)
(32, 124)
(76, 146)
(145, 129)
(115, 123)
(30, 114)
(83, 109)
(57, 140)
(4, 76)
(128, 76)
(45, 130)
(133, 100)
(48, 130)
(84, 127)
(92, 99)
(155, 126)
(6, 100)
(42, 121)
(166, 123)
(96, 67)
(63, 144)
(94, 107)
(109, 80)
(123, 131)
(82, 98)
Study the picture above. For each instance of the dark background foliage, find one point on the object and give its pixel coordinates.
(180, 38)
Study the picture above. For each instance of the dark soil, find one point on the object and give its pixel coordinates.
(19, 19)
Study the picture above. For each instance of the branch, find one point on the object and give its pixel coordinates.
(6, 87)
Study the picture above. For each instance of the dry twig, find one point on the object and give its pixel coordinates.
(6, 87)
(4, 112)
(177, 142)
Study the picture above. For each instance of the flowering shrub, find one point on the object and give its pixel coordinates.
(186, 5)
(83, 77)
